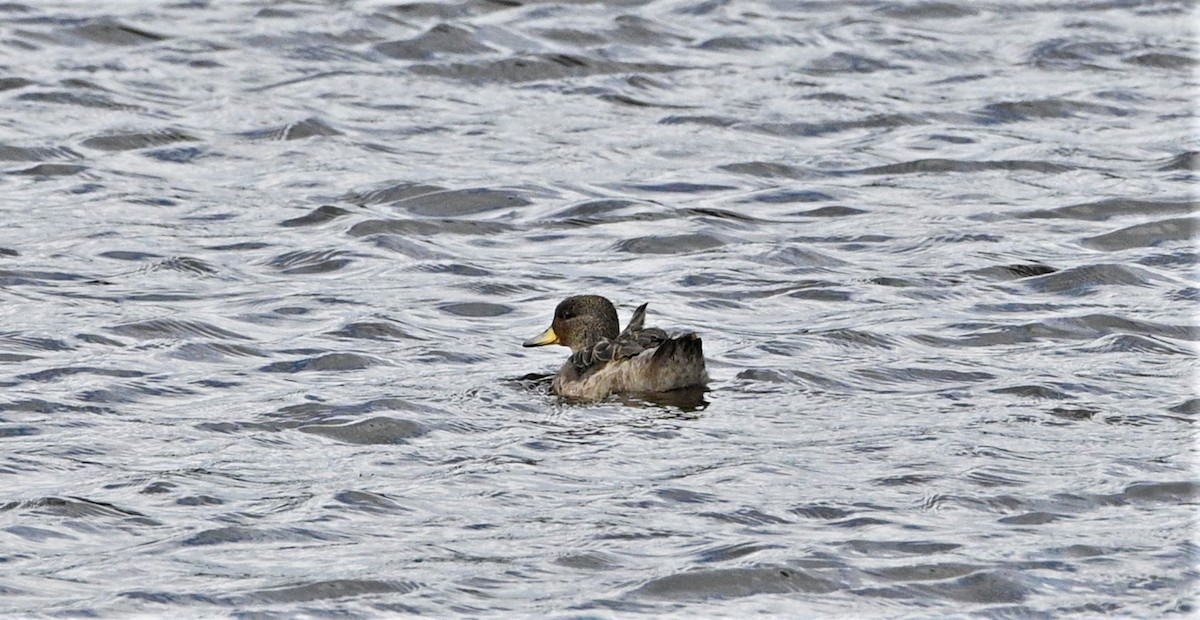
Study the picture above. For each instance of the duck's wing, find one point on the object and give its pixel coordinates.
(636, 338)
(636, 321)
(629, 344)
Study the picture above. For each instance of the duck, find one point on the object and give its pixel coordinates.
(606, 360)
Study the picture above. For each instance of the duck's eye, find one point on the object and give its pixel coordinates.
(567, 315)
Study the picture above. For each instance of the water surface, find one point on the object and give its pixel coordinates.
(266, 270)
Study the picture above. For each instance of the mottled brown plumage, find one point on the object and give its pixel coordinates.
(604, 361)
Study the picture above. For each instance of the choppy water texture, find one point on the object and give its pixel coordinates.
(266, 268)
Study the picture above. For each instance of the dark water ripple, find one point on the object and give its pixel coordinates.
(266, 270)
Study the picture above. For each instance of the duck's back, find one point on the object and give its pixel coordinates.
(643, 361)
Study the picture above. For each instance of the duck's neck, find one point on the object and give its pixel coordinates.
(591, 336)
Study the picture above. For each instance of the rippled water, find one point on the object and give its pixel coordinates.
(266, 269)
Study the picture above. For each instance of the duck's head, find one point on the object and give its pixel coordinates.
(580, 322)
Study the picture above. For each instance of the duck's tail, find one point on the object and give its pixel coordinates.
(682, 359)
(685, 347)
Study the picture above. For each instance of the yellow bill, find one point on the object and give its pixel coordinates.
(546, 337)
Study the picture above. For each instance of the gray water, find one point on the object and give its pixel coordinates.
(266, 269)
